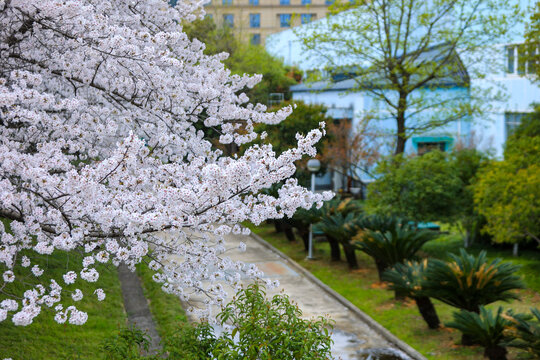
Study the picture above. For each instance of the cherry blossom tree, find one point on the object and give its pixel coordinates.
(99, 152)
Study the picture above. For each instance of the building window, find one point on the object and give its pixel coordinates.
(522, 59)
(284, 2)
(512, 121)
(256, 39)
(228, 20)
(226, 2)
(306, 2)
(425, 144)
(328, 2)
(254, 2)
(306, 18)
(285, 20)
(255, 20)
(425, 147)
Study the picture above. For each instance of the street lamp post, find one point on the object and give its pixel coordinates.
(313, 166)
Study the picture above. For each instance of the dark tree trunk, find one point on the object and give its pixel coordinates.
(335, 252)
(305, 239)
(426, 308)
(467, 340)
(350, 255)
(495, 352)
(277, 225)
(381, 268)
(400, 295)
(400, 122)
(288, 230)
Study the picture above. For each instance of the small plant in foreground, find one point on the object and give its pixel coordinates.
(128, 344)
(270, 329)
(407, 279)
(526, 333)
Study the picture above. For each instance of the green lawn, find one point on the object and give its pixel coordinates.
(46, 339)
(362, 288)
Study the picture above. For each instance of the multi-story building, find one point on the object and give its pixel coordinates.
(254, 20)
(510, 71)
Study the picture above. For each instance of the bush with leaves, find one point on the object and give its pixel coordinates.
(255, 328)
(129, 344)
(407, 279)
(270, 329)
(526, 334)
(420, 188)
(396, 241)
(466, 163)
(507, 192)
(485, 329)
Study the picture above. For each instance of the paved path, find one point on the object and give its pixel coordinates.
(136, 306)
(354, 331)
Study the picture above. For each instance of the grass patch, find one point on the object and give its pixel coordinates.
(362, 288)
(45, 338)
(165, 308)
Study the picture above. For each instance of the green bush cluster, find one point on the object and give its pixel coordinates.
(255, 328)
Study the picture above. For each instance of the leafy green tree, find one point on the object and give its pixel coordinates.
(421, 188)
(244, 59)
(532, 36)
(507, 192)
(466, 163)
(400, 51)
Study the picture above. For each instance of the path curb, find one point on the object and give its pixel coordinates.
(387, 335)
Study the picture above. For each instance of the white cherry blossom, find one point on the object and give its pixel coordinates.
(105, 108)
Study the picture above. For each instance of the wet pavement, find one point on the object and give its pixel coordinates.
(355, 333)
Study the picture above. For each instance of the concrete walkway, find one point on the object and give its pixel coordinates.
(354, 331)
(136, 306)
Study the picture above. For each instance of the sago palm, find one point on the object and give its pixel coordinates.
(407, 279)
(485, 329)
(395, 244)
(468, 282)
(526, 333)
(341, 229)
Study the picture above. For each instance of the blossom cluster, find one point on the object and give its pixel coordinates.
(101, 151)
